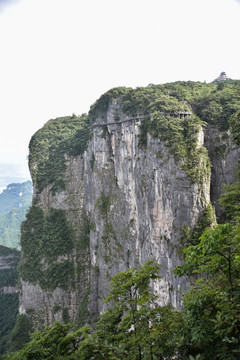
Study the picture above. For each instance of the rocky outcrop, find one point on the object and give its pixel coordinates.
(125, 202)
(224, 157)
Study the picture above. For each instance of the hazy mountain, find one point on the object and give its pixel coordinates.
(14, 203)
(12, 173)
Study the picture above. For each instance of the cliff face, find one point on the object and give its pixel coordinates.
(123, 195)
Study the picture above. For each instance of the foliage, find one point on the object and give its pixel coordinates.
(212, 303)
(134, 328)
(21, 333)
(230, 199)
(48, 146)
(134, 325)
(8, 301)
(8, 315)
(160, 107)
(206, 220)
(103, 203)
(181, 136)
(100, 107)
(218, 106)
(235, 127)
(211, 103)
(46, 237)
(8, 252)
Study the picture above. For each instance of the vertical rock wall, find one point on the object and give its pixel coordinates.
(125, 203)
(134, 202)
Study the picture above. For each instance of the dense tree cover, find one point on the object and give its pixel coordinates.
(52, 236)
(8, 315)
(158, 106)
(211, 102)
(136, 327)
(8, 270)
(65, 135)
(8, 301)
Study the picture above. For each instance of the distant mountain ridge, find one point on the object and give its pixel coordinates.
(14, 203)
(15, 196)
(13, 173)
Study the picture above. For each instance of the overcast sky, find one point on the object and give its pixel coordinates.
(59, 56)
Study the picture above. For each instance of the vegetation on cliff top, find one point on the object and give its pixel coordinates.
(135, 326)
(213, 103)
(159, 105)
(65, 135)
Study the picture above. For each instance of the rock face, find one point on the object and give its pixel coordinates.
(9, 259)
(224, 157)
(125, 203)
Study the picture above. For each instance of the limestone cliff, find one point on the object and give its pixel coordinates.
(113, 189)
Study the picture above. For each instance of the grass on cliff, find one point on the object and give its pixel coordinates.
(159, 105)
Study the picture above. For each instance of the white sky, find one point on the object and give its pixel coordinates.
(58, 56)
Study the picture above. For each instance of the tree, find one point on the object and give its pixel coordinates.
(134, 327)
(211, 305)
(135, 324)
(235, 127)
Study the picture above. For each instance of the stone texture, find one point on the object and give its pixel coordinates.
(137, 201)
(224, 157)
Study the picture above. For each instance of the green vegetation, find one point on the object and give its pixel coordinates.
(211, 314)
(161, 107)
(10, 224)
(235, 127)
(181, 136)
(103, 204)
(206, 220)
(21, 333)
(211, 103)
(46, 237)
(15, 196)
(14, 203)
(8, 315)
(136, 327)
(9, 262)
(66, 135)
(8, 301)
